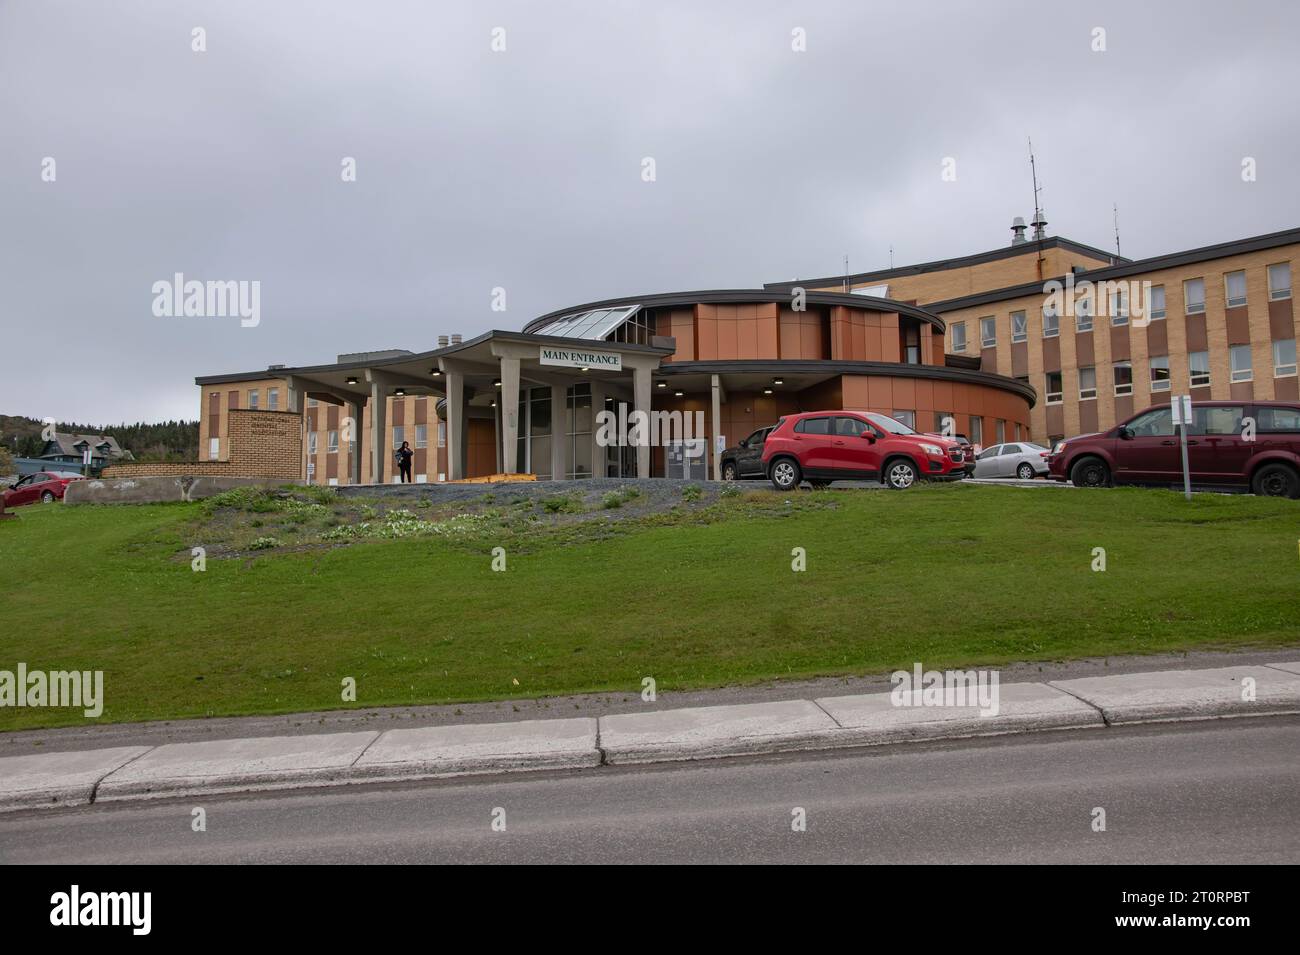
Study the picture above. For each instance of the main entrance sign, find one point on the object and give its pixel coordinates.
(576, 358)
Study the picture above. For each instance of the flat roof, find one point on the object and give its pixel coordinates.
(1129, 267)
(940, 265)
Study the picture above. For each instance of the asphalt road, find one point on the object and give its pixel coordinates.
(1208, 792)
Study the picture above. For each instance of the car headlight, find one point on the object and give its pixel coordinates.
(932, 449)
(1060, 446)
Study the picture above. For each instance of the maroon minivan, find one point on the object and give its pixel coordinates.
(1254, 443)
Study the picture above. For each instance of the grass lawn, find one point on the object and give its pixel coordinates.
(946, 575)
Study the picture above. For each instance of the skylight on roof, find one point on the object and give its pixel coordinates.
(592, 325)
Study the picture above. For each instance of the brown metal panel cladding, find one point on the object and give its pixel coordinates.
(1281, 324)
(1238, 325)
(890, 345)
(747, 331)
(332, 418)
(442, 464)
(1087, 417)
(1123, 407)
(989, 360)
(1019, 359)
(880, 395)
(1052, 354)
(399, 411)
(1200, 394)
(1197, 339)
(1085, 355)
(1056, 419)
(728, 332)
(214, 404)
(331, 465)
(232, 400)
(768, 336)
(904, 394)
(1119, 343)
(1286, 389)
(422, 409)
(421, 461)
(1241, 390)
(1158, 338)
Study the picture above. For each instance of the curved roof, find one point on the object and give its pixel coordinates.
(742, 297)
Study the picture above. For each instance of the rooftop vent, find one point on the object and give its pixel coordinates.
(456, 339)
(1018, 230)
(1039, 224)
(442, 341)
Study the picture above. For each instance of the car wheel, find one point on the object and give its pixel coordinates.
(900, 475)
(729, 471)
(47, 497)
(785, 475)
(1090, 472)
(1276, 480)
(1025, 472)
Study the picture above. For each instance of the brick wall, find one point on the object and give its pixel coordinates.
(265, 444)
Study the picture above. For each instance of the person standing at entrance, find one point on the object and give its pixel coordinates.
(404, 455)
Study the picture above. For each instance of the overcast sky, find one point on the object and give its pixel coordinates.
(523, 169)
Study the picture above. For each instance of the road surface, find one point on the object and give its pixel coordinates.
(1217, 791)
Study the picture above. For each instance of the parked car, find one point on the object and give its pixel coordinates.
(825, 446)
(1221, 449)
(745, 460)
(1018, 459)
(43, 486)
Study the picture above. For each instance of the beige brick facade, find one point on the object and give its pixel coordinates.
(265, 444)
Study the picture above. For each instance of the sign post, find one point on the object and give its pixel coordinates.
(1182, 408)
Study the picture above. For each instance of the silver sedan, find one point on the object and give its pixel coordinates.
(1018, 459)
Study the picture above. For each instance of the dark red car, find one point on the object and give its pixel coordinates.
(1252, 443)
(824, 446)
(42, 486)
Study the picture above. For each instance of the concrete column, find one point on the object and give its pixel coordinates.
(354, 460)
(456, 444)
(641, 402)
(599, 391)
(378, 432)
(508, 405)
(716, 388)
(496, 436)
(559, 432)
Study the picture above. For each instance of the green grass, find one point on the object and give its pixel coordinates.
(946, 575)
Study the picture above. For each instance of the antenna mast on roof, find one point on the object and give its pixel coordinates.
(1118, 254)
(846, 273)
(891, 257)
(1038, 222)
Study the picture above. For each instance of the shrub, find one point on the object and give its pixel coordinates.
(692, 492)
(264, 543)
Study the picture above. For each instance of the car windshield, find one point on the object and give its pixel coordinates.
(886, 423)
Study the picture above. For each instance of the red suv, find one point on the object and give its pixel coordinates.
(824, 446)
(1255, 443)
(43, 486)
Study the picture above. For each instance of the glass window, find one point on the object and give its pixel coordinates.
(578, 420)
(1239, 358)
(1087, 383)
(1194, 296)
(311, 442)
(1012, 448)
(442, 434)
(1234, 286)
(959, 336)
(1119, 307)
(945, 423)
(1019, 327)
(252, 398)
(988, 332)
(1216, 419)
(1123, 374)
(1083, 314)
(1277, 419)
(312, 402)
(976, 430)
(1002, 430)
(813, 426)
(1051, 322)
(399, 435)
(906, 417)
(1156, 305)
(1054, 388)
(1198, 367)
(992, 452)
(1159, 372)
(850, 427)
(421, 435)
(1284, 358)
(892, 425)
(756, 439)
(1279, 280)
(272, 399)
(332, 442)
(214, 448)
(1156, 423)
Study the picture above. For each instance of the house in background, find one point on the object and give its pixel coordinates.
(67, 451)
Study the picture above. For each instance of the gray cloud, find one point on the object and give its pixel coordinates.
(522, 169)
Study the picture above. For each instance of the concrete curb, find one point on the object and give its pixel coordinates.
(209, 767)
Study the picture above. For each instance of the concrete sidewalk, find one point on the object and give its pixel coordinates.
(327, 759)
